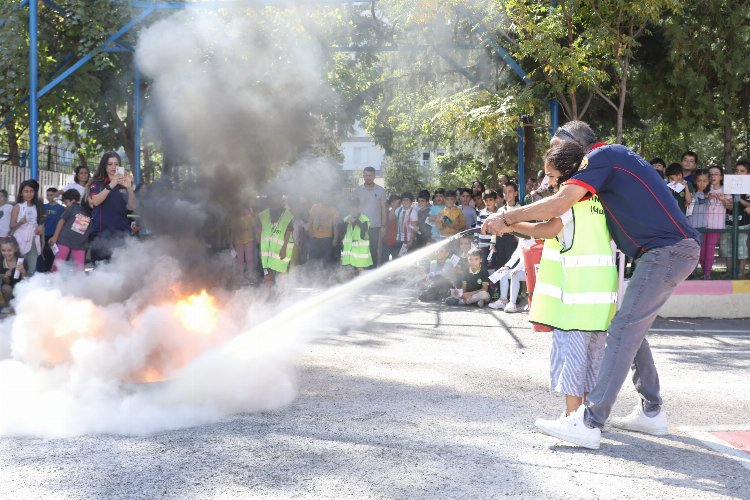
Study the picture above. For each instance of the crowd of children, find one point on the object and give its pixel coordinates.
(699, 193)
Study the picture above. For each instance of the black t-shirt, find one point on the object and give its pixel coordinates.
(743, 218)
(474, 280)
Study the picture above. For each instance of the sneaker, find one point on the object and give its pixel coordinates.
(571, 429)
(480, 304)
(498, 304)
(638, 421)
(511, 308)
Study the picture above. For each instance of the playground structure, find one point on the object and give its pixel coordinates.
(114, 43)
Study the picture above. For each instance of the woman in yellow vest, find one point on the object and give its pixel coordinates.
(356, 242)
(276, 240)
(576, 288)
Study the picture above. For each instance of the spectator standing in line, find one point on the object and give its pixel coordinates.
(689, 162)
(438, 204)
(450, 220)
(743, 221)
(660, 166)
(482, 241)
(467, 207)
(478, 202)
(682, 190)
(80, 179)
(715, 218)
(27, 224)
(424, 230)
(324, 230)
(110, 196)
(644, 225)
(11, 256)
(52, 213)
(276, 238)
(355, 253)
(372, 200)
(71, 232)
(698, 209)
(477, 187)
(407, 223)
(390, 245)
(503, 246)
(5, 211)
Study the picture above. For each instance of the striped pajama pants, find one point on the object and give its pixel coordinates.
(575, 360)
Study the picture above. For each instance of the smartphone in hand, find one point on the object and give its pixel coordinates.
(121, 171)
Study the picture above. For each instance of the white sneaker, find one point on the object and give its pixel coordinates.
(511, 308)
(638, 421)
(498, 304)
(572, 429)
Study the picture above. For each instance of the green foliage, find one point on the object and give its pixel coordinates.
(402, 172)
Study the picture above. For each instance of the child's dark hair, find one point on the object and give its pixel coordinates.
(466, 190)
(407, 195)
(697, 173)
(35, 201)
(4, 193)
(10, 240)
(449, 194)
(512, 184)
(423, 195)
(673, 169)
(71, 195)
(51, 190)
(744, 163)
(393, 197)
(489, 194)
(467, 236)
(440, 191)
(474, 252)
(721, 170)
(566, 158)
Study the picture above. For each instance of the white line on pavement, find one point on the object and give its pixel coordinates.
(701, 351)
(722, 447)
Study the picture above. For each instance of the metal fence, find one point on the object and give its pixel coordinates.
(12, 176)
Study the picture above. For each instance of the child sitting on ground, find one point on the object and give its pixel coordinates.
(71, 233)
(12, 267)
(356, 243)
(439, 279)
(512, 273)
(475, 283)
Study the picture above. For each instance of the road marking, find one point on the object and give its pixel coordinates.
(701, 351)
(706, 436)
(683, 330)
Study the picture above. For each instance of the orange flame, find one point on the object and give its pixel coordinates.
(198, 312)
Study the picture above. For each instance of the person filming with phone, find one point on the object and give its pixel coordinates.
(110, 196)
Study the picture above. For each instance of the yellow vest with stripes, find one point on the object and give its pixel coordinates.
(356, 251)
(272, 241)
(576, 289)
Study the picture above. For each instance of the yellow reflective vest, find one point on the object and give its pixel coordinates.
(576, 289)
(272, 241)
(356, 250)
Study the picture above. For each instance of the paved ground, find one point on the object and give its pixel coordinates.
(423, 401)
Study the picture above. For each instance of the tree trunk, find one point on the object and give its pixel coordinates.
(623, 95)
(728, 160)
(13, 148)
(529, 147)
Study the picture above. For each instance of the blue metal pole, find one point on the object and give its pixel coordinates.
(137, 123)
(521, 163)
(554, 116)
(33, 96)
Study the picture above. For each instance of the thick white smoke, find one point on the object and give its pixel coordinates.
(80, 346)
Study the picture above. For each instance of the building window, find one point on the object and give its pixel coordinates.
(426, 156)
(360, 156)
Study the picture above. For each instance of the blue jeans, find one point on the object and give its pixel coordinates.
(657, 274)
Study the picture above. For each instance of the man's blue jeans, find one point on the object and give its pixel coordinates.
(657, 274)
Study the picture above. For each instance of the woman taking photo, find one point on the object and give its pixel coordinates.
(110, 196)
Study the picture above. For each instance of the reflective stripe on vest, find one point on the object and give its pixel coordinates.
(272, 241)
(356, 251)
(576, 289)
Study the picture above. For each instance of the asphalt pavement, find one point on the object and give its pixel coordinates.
(424, 401)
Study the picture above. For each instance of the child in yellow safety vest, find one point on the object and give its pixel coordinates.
(355, 251)
(576, 286)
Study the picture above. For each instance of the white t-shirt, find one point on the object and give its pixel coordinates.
(76, 186)
(5, 219)
(566, 234)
